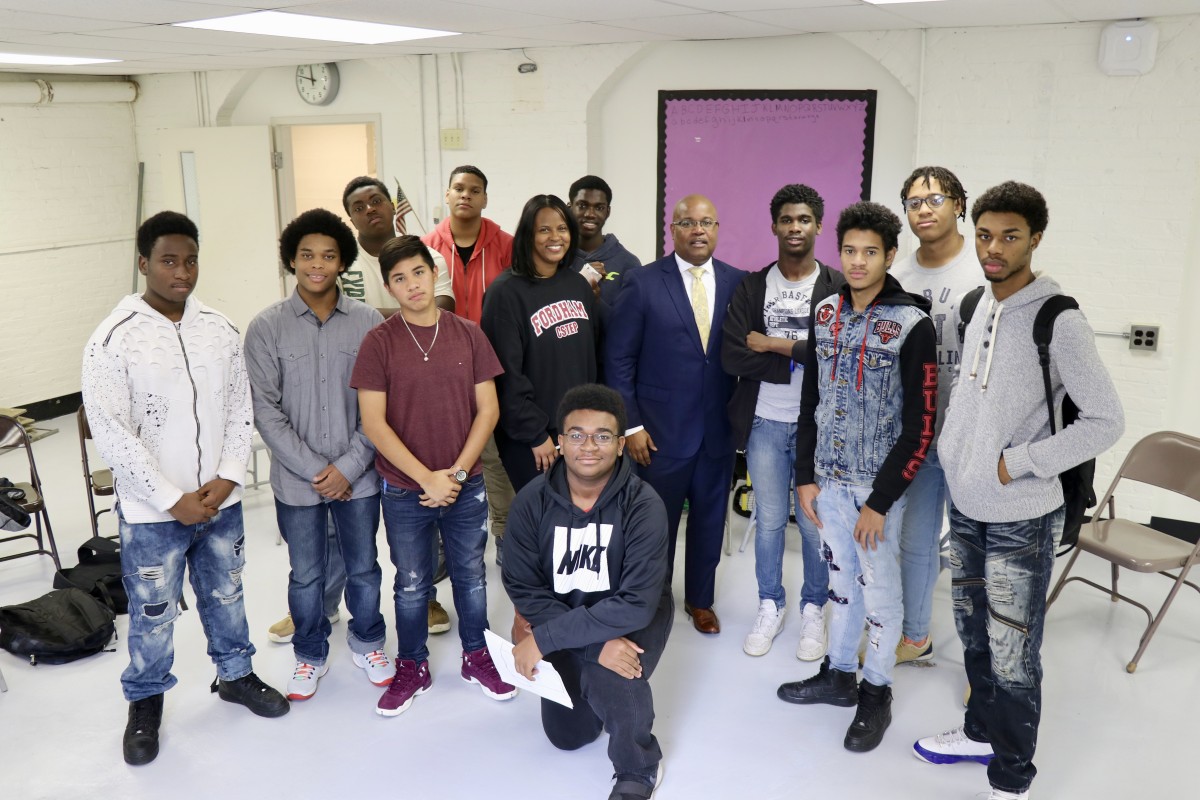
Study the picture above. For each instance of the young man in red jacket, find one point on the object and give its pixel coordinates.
(476, 251)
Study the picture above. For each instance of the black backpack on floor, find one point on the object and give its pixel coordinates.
(98, 573)
(1078, 492)
(62, 626)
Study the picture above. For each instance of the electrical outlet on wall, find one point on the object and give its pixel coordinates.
(1143, 337)
(454, 138)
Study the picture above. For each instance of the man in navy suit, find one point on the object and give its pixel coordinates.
(664, 357)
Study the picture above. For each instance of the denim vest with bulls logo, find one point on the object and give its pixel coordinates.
(858, 372)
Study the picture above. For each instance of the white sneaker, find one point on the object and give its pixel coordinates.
(814, 636)
(1001, 794)
(767, 626)
(380, 669)
(303, 683)
(951, 747)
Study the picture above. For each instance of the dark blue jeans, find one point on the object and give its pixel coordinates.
(153, 557)
(355, 524)
(1001, 573)
(606, 701)
(412, 531)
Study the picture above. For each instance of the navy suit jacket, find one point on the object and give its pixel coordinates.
(670, 385)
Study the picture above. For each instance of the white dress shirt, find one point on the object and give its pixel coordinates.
(708, 278)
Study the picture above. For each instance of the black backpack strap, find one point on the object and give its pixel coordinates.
(966, 310)
(1043, 333)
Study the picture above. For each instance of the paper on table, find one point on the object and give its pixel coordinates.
(547, 683)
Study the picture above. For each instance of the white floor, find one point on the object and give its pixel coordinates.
(1105, 733)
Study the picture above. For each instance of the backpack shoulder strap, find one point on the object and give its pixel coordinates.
(1043, 333)
(966, 310)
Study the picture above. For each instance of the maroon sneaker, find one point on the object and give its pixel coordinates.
(411, 680)
(477, 667)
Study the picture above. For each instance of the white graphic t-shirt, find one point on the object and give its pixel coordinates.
(787, 311)
(944, 287)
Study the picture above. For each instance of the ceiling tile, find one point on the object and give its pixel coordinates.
(699, 26)
(157, 12)
(832, 20)
(441, 15)
(979, 13)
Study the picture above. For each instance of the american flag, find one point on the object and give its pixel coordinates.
(403, 208)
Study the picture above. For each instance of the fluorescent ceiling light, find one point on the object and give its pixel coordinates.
(303, 26)
(52, 61)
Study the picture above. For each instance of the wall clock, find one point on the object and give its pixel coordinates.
(317, 84)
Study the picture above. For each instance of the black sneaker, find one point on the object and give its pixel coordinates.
(252, 693)
(830, 686)
(140, 744)
(872, 718)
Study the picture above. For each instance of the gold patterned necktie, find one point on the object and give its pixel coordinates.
(700, 305)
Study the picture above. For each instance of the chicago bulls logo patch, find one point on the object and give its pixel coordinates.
(886, 330)
(824, 314)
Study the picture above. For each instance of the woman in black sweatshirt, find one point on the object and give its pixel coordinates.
(543, 320)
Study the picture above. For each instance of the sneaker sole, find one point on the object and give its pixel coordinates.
(844, 701)
(395, 712)
(442, 628)
(944, 758)
(489, 692)
(277, 639)
(921, 659)
(756, 652)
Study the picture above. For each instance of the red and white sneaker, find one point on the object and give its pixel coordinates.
(477, 667)
(303, 683)
(378, 666)
(411, 679)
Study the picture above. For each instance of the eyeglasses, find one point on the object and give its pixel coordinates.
(934, 201)
(688, 224)
(600, 439)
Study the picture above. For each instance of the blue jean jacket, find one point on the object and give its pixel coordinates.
(861, 391)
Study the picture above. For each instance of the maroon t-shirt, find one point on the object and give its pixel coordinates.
(430, 404)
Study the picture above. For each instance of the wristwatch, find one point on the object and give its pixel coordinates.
(460, 476)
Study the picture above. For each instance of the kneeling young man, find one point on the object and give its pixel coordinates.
(867, 413)
(585, 563)
(168, 402)
(428, 403)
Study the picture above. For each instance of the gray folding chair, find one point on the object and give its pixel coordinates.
(13, 436)
(1165, 459)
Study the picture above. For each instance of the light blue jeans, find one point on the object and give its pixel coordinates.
(771, 461)
(920, 539)
(864, 585)
(153, 557)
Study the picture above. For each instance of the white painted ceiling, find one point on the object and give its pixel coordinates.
(139, 33)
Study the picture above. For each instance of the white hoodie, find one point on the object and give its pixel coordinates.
(168, 404)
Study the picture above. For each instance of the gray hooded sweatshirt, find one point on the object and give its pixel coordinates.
(998, 407)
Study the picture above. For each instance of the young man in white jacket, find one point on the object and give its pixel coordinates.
(168, 401)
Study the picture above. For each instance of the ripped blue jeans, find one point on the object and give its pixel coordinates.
(1001, 573)
(864, 585)
(153, 557)
(412, 531)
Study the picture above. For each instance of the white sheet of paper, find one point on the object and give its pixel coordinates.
(547, 683)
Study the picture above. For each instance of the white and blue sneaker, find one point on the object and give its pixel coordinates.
(952, 747)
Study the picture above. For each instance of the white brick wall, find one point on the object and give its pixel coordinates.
(1117, 161)
(66, 238)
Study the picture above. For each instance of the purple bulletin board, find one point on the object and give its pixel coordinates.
(740, 147)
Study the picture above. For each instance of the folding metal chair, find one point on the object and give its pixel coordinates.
(13, 436)
(1165, 459)
(100, 481)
